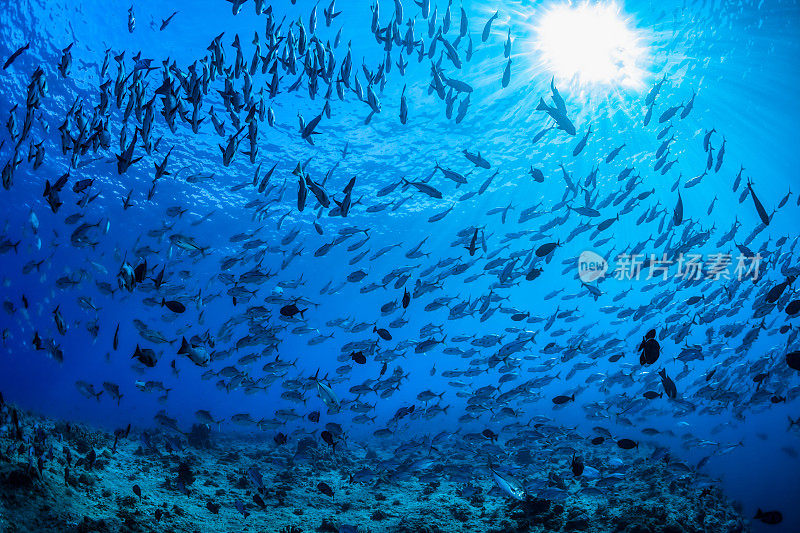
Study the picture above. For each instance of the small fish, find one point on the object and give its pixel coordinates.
(165, 22)
(562, 399)
(327, 436)
(508, 484)
(424, 188)
(562, 121)
(173, 305)
(762, 213)
(582, 143)
(769, 517)
(15, 55)
(546, 249)
(487, 28)
(291, 310)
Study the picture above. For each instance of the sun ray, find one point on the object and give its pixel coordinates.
(591, 44)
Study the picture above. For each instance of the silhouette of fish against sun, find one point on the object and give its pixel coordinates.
(399, 266)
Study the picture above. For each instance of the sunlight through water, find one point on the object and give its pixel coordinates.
(592, 45)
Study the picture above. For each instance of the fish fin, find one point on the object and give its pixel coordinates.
(542, 105)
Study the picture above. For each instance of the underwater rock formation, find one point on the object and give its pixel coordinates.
(89, 480)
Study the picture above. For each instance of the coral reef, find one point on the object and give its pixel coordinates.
(146, 481)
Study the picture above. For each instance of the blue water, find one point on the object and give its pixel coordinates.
(739, 58)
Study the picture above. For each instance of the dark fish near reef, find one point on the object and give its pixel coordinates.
(292, 310)
(769, 517)
(669, 386)
(793, 360)
(559, 400)
(576, 465)
(327, 436)
(146, 356)
(649, 349)
(173, 305)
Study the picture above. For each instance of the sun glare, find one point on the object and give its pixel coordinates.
(592, 44)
